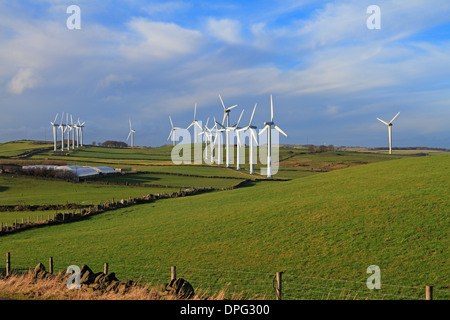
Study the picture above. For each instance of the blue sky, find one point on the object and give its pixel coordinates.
(330, 76)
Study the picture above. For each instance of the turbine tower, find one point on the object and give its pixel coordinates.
(195, 124)
(390, 131)
(252, 136)
(218, 138)
(77, 131)
(238, 148)
(226, 114)
(73, 128)
(131, 134)
(55, 136)
(268, 126)
(80, 127)
(62, 127)
(68, 129)
(172, 131)
(227, 130)
(207, 139)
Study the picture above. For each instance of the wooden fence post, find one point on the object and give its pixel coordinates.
(278, 289)
(173, 273)
(50, 265)
(429, 292)
(8, 264)
(105, 268)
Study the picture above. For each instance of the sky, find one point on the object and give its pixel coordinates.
(329, 74)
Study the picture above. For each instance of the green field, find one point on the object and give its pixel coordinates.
(322, 229)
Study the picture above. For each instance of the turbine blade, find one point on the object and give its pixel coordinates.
(170, 134)
(263, 130)
(254, 136)
(271, 109)
(276, 127)
(195, 111)
(394, 117)
(129, 135)
(171, 123)
(251, 119)
(223, 119)
(54, 121)
(223, 105)
(190, 125)
(232, 107)
(383, 121)
(239, 119)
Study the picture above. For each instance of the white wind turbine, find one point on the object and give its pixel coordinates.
(195, 124)
(80, 127)
(227, 130)
(238, 148)
(268, 125)
(172, 131)
(218, 138)
(207, 137)
(62, 127)
(390, 131)
(131, 134)
(252, 136)
(226, 114)
(77, 131)
(74, 128)
(55, 134)
(68, 129)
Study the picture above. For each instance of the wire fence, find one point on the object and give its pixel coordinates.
(245, 285)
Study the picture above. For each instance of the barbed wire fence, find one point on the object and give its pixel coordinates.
(247, 285)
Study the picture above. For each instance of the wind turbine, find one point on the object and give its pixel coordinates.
(252, 136)
(61, 126)
(80, 127)
(238, 149)
(195, 124)
(390, 131)
(226, 114)
(131, 134)
(55, 137)
(77, 131)
(68, 129)
(73, 128)
(268, 125)
(172, 131)
(218, 138)
(205, 132)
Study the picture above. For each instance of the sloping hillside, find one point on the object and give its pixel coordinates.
(393, 214)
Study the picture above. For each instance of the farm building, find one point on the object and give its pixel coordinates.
(78, 171)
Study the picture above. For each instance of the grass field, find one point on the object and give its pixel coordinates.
(324, 230)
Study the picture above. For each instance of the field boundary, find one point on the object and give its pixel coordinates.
(280, 285)
(91, 210)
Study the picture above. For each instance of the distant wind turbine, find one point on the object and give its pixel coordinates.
(195, 124)
(252, 136)
(55, 133)
(62, 127)
(268, 125)
(131, 134)
(226, 115)
(390, 131)
(172, 131)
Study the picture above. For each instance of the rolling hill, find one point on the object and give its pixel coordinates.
(322, 230)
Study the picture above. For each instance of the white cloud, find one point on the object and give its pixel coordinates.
(160, 40)
(113, 79)
(226, 30)
(23, 79)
